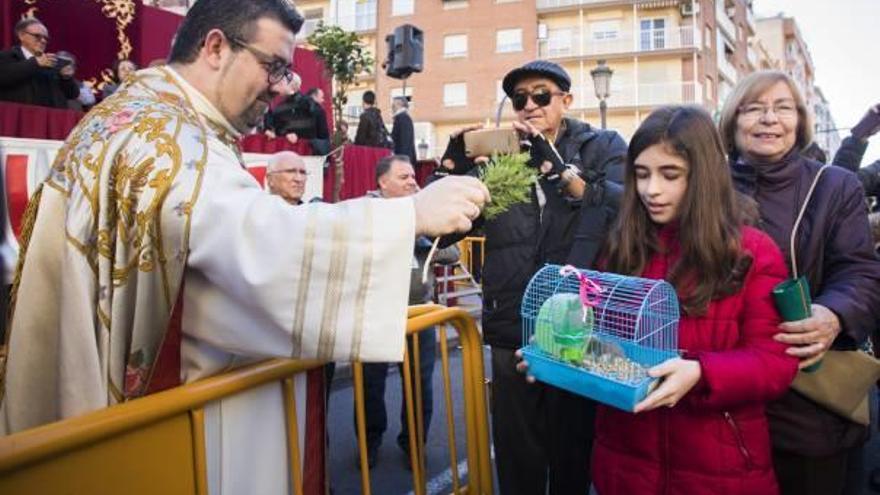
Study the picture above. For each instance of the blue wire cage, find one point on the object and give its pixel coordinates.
(596, 334)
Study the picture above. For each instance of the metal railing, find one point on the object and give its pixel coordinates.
(569, 42)
(474, 405)
(646, 94)
(156, 444)
(555, 4)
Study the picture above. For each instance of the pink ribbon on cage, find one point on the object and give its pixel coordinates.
(589, 291)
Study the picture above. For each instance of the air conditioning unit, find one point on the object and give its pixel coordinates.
(542, 31)
(686, 8)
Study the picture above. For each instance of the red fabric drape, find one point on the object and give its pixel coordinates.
(27, 121)
(360, 171)
(260, 143)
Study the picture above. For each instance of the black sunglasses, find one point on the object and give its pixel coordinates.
(542, 97)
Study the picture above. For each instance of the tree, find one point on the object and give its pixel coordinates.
(345, 58)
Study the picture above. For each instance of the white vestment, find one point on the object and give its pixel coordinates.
(261, 279)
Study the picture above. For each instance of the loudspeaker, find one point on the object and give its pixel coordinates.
(406, 47)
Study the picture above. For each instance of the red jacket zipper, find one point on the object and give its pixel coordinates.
(739, 439)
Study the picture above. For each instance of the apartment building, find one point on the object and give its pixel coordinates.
(661, 51)
(785, 43)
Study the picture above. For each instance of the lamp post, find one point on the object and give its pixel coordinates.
(602, 82)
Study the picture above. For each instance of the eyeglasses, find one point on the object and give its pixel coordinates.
(292, 171)
(755, 111)
(276, 69)
(540, 96)
(38, 36)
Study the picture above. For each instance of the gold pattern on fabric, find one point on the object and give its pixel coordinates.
(360, 301)
(305, 272)
(27, 228)
(336, 279)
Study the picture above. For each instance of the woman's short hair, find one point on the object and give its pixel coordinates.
(747, 91)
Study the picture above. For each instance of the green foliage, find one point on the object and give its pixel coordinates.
(344, 56)
(508, 179)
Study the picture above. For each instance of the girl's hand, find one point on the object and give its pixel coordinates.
(678, 377)
(811, 337)
(523, 367)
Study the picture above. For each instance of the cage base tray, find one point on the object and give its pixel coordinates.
(547, 369)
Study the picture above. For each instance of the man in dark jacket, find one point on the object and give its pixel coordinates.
(402, 131)
(30, 75)
(852, 150)
(371, 129)
(542, 434)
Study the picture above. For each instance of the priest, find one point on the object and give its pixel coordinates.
(151, 257)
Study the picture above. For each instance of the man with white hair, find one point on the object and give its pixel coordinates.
(286, 176)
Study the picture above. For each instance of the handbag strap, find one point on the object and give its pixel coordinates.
(797, 222)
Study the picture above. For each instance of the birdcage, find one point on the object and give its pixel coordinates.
(596, 334)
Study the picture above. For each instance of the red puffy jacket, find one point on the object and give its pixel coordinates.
(716, 440)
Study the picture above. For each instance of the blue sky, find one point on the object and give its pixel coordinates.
(844, 41)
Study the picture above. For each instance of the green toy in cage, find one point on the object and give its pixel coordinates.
(565, 323)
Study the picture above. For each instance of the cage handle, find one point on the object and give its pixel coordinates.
(589, 291)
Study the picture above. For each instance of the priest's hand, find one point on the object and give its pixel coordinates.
(449, 205)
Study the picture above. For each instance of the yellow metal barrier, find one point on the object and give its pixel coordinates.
(472, 261)
(156, 444)
(476, 416)
(151, 445)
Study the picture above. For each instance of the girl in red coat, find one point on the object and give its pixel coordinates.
(703, 430)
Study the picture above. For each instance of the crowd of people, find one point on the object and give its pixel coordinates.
(725, 212)
(32, 76)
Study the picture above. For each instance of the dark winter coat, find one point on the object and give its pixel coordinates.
(404, 136)
(715, 441)
(523, 239)
(835, 251)
(24, 81)
(371, 130)
(849, 156)
(299, 114)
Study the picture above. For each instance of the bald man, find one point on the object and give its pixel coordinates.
(286, 176)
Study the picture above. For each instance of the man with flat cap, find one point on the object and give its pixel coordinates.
(542, 435)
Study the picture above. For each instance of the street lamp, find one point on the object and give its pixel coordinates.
(602, 82)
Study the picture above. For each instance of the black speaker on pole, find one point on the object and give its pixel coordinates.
(406, 50)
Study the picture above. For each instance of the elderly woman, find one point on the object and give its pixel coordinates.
(765, 126)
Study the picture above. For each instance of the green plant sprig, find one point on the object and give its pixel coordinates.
(508, 179)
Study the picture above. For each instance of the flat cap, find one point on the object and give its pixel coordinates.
(540, 68)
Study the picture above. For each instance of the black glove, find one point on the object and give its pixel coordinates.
(869, 125)
(540, 151)
(455, 153)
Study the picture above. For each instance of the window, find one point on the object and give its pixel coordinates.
(402, 7)
(455, 94)
(508, 40)
(605, 30)
(365, 15)
(707, 37)
(560, 42)
(710, 88)
(312, 18)
(652, 34)
(455, 4)
(455, 45)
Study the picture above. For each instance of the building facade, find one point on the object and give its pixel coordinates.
(661, 51)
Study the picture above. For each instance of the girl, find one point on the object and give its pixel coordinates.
(703, 430)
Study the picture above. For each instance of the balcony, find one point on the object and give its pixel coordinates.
(558, 4)
(726, 69)
(359, 23)
(569, 42)
(724, 23)
(645, 94)
(752, 55)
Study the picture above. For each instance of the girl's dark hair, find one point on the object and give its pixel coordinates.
(236, 18)
(712, 264)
